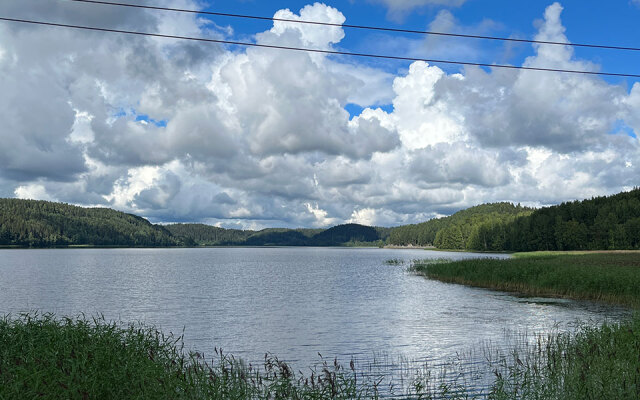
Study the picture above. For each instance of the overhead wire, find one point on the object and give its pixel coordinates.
(320, 51)
(366, 27)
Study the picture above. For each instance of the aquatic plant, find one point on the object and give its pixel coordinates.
(87, 358)
(609, 277)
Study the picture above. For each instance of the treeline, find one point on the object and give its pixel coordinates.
(459, 231)
(600, 223)
(340, 235)
(207, 235)
(31, 223)
(34, 223)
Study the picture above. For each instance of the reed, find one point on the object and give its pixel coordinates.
(79, 358)
(592, 363)
(608, 277)
(42, 356)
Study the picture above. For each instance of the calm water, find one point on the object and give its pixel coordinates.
(292, 302)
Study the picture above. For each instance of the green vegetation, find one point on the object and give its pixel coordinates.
(92, 359)
(610, 277)
(45, 357)
(207, 235)
(600, 223)
(459, 231)
(279, 237)
(340, 235)
(346, 233)
(31, 223)
(594, 363)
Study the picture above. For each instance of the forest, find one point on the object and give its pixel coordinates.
(459, 231)
(34, 223)
(340, 235)
(599, 223)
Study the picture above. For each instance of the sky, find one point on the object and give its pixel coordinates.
(185, 131)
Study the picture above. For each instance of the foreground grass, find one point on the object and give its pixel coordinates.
(608, 277)
(594, 363)
(78, 358)
(45, 357)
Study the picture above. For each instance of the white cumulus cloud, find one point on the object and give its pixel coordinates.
(177, 131)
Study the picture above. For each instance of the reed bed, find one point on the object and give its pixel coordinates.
(592, 363)
(608, 277)
(79, 358)
(42, 356)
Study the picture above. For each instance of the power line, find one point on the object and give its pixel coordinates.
(376, 28)
(332, 52)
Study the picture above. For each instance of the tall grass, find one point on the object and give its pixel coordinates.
(593, 363)
(609, 277)
(42, 356)
(78, 358)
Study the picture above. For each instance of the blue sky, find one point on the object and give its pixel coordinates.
(594, 22)
(253, 138)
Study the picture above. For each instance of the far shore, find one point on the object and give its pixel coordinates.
(409, 247)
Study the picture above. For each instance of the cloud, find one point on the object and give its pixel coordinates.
(257, 137)
(399, 8)
(450, 163)
(32, 191)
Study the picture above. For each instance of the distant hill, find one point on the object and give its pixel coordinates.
(347, 233)
(32, 223)
(278, 237)
(458, 230)
(206, 235)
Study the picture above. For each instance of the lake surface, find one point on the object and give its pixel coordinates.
(292, 302)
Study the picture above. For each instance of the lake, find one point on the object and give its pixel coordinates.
(292, 302)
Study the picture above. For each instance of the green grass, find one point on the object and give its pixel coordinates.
(78, 358)
(608, 277)
(594, 363)
(45, 357)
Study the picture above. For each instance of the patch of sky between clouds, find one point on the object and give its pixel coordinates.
(143, 118)
(621, 127)
(355, 110)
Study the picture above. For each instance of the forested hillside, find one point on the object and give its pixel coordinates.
(281, 237)
(343, 234)
(458, 231)
(207, 235)
(601, 223)
(32, 223)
